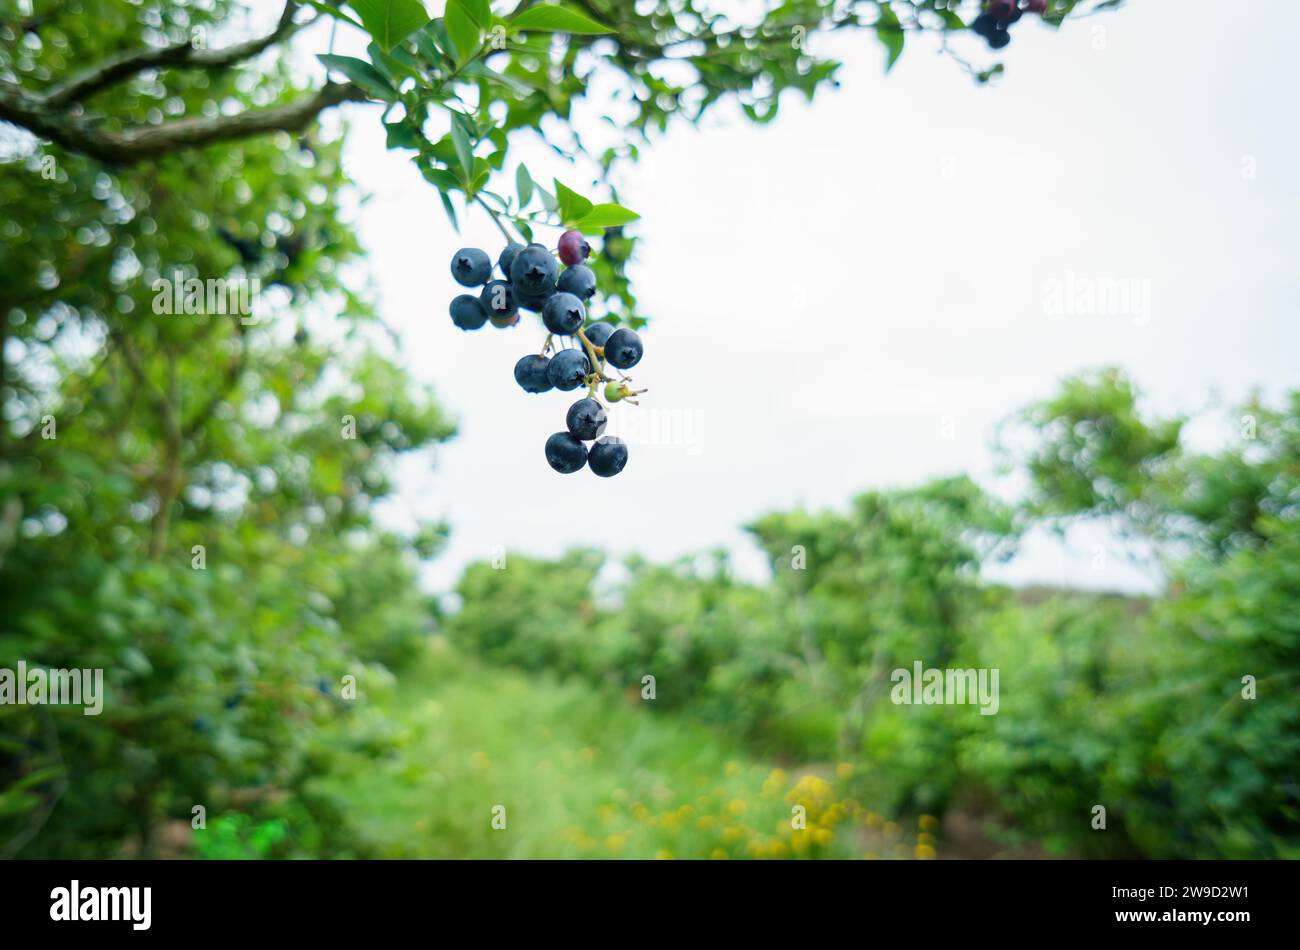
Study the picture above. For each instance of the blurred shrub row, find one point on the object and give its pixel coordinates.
(1134, 704)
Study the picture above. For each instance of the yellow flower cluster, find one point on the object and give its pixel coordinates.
(810, 818)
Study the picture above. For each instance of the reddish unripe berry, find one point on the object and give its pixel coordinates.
(1002, 9)
(1036, 6)
(573, 248)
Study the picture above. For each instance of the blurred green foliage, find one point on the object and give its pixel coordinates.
(132, 439)
(1135, 704)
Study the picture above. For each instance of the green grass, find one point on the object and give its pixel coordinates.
(579, 773)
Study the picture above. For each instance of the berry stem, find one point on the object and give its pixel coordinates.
(597, 364)
(496, 219)
(547, 345)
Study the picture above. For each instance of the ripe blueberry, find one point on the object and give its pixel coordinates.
(534, 302)
(497, 299)
(507, 258)
(564, 453)
(573, 248)
(578, 280)
(563, 314)
(533, 271)
(586, 419)
(598, 333)
(471, 267)
(608, 456)
(623, 348)
(530, 373)
(568, 369)
(1004, 11)
(467, 313)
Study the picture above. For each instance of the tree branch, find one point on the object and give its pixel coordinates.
(142, 142)
(114, 70)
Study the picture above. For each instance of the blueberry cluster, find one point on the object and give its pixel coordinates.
(576, 353)
(995, 21)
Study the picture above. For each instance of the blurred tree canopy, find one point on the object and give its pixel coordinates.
(187, 499)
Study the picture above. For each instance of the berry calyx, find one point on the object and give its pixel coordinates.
(586, 419)
(563, 314)
(533, 271)
(530, 373)
(623, 348)
(470, 266)
(608, 457)
(573, 247)
(565, 454)
(467, 312)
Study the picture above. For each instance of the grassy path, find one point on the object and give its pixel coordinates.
(579, 774)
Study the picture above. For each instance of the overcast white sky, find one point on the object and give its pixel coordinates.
(855, 295)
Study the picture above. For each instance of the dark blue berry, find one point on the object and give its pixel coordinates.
(534, 302)
(471, 267)
(565, 454)
(586, 419)
(530, 373)
(608, 456)
(563, 314)
(533, 271)
(497, 299)
(578, 280)
(568, 369)
(623, 348)
(468, 313)
(507, 258)
(598, 333)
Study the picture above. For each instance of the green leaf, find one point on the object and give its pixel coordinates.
(462, 29)
(524, 185)
(334, 12)
(450, 209)
(427, 44)
(605, 216)
(482, 172)
(362, 73)
(464, 150)
(890, 32)
(548, 200)
(390, 21)
(441, 179)
(572, 205)
(553, 18)
(480, 11)
(401, 135)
